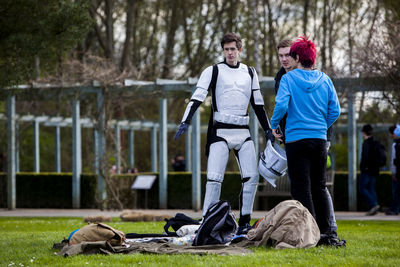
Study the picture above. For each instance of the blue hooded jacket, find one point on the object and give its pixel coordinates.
(310, 99)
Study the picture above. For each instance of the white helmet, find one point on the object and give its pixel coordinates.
(273, 163)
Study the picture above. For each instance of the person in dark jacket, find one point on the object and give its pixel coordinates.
(369, 170)
(287, 63)
(178, 163)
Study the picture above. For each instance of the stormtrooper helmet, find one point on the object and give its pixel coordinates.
(272, 163)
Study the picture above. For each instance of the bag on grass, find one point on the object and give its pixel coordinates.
(177, 222)
(218, 227)
(97, 232)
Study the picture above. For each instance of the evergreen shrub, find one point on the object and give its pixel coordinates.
(54, 190)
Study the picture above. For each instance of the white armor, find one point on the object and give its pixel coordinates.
(233, 91)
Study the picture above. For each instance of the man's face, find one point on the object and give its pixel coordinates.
(231, 53)
(288, 63)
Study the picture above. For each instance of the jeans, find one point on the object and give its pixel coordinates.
(396, 196)
(366, 186)
(332, 218)
(306, 160)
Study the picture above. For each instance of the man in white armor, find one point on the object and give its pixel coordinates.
(233, 85)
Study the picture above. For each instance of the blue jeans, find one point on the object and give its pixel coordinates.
(396, 196)
(366, 186)
(332, 218)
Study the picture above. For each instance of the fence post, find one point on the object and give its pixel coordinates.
(11, 187)
(163, 162)
(76, 155)
(352, 160)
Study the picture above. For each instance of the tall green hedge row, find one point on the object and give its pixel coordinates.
(54, 190)
(48, 190)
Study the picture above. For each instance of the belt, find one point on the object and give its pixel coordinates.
(231, 119)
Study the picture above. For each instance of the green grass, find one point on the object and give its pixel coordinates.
(28, 242)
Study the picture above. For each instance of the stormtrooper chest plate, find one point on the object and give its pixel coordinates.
(233, 90)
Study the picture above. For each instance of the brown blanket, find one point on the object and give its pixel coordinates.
(103, 247)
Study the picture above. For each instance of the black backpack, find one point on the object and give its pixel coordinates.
(218, 226)
(177, 222)
(380, 154)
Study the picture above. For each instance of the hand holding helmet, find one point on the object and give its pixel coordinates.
(269, 136)
(277, 134)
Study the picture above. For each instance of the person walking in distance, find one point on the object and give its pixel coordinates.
(369, 170)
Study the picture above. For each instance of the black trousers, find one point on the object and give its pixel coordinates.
(306, 160)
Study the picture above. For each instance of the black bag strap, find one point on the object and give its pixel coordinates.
(166, 227)
(250, 69)
(211, 88)
(178, 221)
(136, 235)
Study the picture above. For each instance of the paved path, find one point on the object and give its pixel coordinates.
(193, 214)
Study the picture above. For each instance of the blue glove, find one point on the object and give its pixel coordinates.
(181, 130)
(269, 135)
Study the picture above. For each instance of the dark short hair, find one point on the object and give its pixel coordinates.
(392, 128)
(284, 43)
(367, 129)
(231, 37)
(305, 49)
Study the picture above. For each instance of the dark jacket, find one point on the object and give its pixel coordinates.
(278, 78)
(396, 161)
(368, 163)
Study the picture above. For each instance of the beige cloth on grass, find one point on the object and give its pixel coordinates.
(288, 225)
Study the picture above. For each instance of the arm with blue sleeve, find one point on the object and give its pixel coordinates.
(333, 105)
(281, 103)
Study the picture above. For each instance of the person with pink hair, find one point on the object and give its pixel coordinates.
(309, 98)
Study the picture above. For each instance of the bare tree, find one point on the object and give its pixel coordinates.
(305, 15)
(254, 19)
(349, 34)
(324, 34)
(271, 39)
(130, 5)
(106, 21)
(172, 26)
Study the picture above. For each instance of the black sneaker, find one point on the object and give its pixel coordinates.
(332, 241)
(243, 230)
(390, 212)
(374, 210)
(241, 233)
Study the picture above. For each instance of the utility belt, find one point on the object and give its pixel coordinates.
(220, 125)
(231, 119)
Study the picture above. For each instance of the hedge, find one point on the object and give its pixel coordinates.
(48, 190)
(54, 190)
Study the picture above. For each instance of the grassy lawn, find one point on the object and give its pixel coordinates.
(28, 242)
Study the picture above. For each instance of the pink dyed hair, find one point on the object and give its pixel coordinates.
(305, 49)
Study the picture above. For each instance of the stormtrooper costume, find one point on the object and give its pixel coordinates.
(235, 87)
